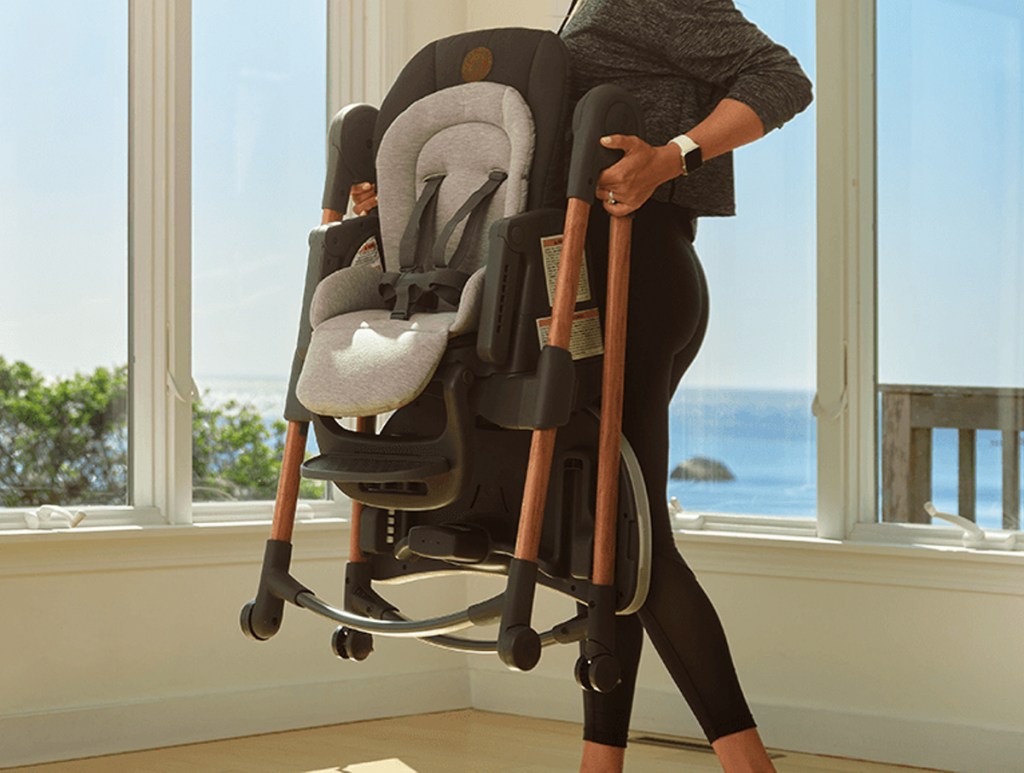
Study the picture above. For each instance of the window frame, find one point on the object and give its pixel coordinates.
(845, 401)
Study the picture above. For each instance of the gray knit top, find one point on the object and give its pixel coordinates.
(680, 58)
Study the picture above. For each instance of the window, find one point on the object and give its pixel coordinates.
(951, 258)
(746, 402)
(64, 247)
(259, 85)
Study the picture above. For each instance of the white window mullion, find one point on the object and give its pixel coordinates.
(388, 24)
(345, 65)
(845, 404)
(160, 126)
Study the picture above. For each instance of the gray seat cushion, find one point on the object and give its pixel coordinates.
(364, 363)
(360, 362)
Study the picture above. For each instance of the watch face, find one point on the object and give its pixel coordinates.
(693, 159)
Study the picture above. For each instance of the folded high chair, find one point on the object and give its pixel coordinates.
(481, 352)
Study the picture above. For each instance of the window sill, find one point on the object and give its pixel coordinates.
(946, 567)
(713, 550)
(140, 547)
(12, 521)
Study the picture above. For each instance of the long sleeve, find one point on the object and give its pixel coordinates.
(711, 41)
(679, 58)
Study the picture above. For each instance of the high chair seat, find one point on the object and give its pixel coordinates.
(450, 165)
(364, 363)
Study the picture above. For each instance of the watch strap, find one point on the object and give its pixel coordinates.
(690, 156)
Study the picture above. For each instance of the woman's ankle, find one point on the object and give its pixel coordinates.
(743, 752)
(601, 758)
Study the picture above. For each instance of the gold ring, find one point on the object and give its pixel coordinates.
(611, 198)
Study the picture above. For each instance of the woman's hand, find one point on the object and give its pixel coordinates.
(364, 197)
(632, 179)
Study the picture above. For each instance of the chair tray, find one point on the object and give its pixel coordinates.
(374, 468)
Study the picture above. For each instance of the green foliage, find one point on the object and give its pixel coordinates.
(65, 441)
(235, 456)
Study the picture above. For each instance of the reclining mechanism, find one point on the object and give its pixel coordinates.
(453, 322)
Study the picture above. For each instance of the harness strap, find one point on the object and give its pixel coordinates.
(447, 284)
(408, 291)
(413, 291)
(408, 248)
(412, 288)
(407, 296)
(473, 208)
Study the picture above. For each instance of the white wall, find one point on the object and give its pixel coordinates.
(481, 14)
(126, 640)
(909, 656)
(427, 21)
(130, 640)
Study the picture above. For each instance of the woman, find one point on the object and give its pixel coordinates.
(707, 81)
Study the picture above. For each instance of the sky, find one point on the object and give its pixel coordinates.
(951, 204)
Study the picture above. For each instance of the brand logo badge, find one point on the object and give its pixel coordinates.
(477, 64)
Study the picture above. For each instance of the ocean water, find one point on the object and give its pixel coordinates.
(765, 437)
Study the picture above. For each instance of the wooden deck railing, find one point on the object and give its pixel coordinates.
(910, 413)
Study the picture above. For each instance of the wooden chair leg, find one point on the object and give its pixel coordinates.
(612, 388)
(598, 667)
(542, 446)
(518, 642)
(288, 481)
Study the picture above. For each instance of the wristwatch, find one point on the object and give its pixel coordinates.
(690, 155)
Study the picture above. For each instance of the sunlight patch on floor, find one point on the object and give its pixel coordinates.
(393, 765)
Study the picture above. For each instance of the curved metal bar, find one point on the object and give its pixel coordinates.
(643, 505)
(458, 644)
(414, 629)
(482, 646)
(563, 633)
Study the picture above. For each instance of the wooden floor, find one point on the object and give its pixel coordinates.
(451, 742)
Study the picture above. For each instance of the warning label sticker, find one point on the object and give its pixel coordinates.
(585, 338)
(551, 249)
(368, 255)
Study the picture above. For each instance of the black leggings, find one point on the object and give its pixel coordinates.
(668, 314)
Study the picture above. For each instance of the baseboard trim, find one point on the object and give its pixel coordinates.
(813, 730)
(91, 731)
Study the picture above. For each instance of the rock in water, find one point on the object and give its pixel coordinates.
(702, 468)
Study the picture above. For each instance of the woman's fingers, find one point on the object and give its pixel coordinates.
(614, 205)
(624, 186)
(364, 197)
(626, 142)
(364, 206)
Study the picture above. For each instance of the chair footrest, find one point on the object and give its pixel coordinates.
(456, 542)
(374, 468)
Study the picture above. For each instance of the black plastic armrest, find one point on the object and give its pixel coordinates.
(605, 109)
(335, 245)
(349, 154)
(513, 241)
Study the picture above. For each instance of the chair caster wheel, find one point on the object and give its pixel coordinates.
(519, 647)
(245, 621)
(351, 645)
(581, 671)
(599, 674)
